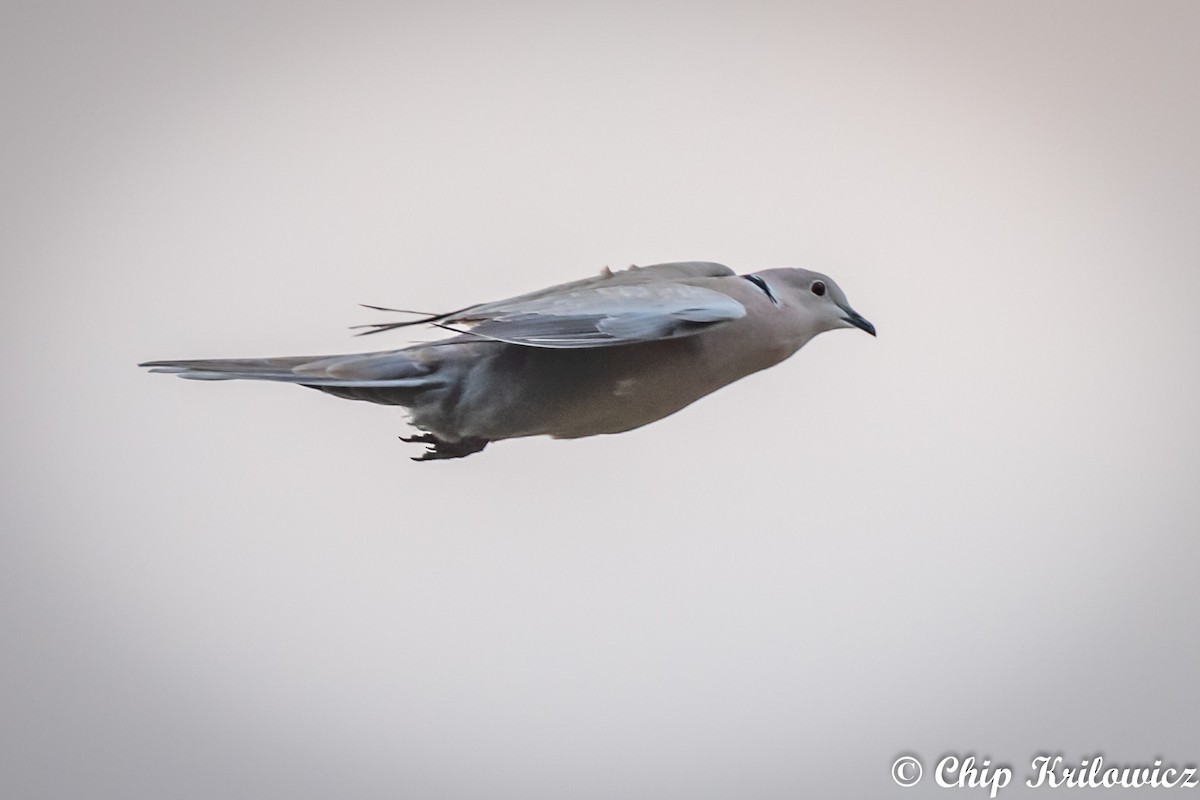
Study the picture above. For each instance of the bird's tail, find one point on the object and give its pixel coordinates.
(393, 369)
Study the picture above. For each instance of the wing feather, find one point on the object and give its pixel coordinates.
(602, 315)
(547, 316)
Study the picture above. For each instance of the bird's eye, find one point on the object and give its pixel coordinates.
(818, 288)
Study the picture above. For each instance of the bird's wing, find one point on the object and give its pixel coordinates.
(600, 315)
(654, 273)
(639, 304)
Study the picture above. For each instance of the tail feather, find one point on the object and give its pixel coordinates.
(395, 368)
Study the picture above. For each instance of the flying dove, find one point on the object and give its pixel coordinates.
(601, 355)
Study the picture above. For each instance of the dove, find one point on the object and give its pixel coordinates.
(601, 355)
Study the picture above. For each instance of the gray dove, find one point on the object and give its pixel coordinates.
(601, 355)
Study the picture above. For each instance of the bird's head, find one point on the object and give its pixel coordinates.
(815, 297)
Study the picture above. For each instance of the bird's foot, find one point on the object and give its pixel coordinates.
(440, 448)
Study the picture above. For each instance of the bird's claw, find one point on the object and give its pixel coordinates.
(439, 449)
(420, 438)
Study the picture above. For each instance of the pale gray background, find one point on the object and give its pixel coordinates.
(977, 533)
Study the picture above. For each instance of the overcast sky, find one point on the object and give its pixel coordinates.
(974, 534)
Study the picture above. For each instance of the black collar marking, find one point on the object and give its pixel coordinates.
(760, 283)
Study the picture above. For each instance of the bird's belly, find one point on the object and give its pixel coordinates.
(621, 405)
(608, 392)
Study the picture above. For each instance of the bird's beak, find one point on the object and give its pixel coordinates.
(857, 320)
